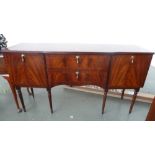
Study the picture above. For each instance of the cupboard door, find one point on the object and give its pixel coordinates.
(26, 69)
(129, 71)
(35, 70)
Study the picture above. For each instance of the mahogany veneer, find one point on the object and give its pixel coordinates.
(49, 65)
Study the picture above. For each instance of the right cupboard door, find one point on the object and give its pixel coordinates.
(129, 71)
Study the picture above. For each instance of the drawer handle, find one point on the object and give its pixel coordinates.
(77, 59)
(23, 57)
(132, 59)
(77, 74)
(1, 56)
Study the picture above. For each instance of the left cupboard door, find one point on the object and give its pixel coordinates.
(26, 69)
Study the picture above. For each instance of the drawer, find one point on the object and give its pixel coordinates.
(86, 76)
(88, 62)
(3, 69)
(56, 77)
(78, 61)
(77, 77)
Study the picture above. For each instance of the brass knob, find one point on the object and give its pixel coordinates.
(77, 74)
(1, 56)
(132, 59)
(23, 57)
(77, 58)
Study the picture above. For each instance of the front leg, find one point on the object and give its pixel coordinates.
(104, 99)
(13, 89)
(133, 100)
(50, 99)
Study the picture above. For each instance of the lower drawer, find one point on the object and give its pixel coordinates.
(77, 77)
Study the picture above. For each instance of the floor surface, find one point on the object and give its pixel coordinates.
(70, 106)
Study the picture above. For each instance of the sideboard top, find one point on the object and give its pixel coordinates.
(57, 47)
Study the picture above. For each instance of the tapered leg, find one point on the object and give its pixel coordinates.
(104, 99)
(133, 100)
(50, 99)
(32, 92)
(122, 95)
(21, 98)
(13, 89)
(28, 90)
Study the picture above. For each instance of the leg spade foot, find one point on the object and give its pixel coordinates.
(19, 110)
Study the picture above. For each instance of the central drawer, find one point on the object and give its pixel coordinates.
(76, 77)
(76, 61)
(77, 69)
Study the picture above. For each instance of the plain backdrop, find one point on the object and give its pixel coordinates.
(79, 21)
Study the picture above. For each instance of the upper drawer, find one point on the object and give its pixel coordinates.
(78, 61)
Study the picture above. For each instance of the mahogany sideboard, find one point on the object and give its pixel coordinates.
(49, 65)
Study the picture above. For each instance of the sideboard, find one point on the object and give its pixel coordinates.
(49, 65)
